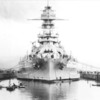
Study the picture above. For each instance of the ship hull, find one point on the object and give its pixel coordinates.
(48, 71)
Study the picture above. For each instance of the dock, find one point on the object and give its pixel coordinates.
(90, 75)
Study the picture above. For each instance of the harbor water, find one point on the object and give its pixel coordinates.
(69, 90)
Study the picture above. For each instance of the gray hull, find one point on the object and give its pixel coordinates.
(49, 70)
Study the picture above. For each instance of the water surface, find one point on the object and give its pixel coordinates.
(76, 90)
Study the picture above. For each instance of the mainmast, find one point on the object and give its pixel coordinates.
(48, 16)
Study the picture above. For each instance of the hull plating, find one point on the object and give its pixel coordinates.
(49, 70)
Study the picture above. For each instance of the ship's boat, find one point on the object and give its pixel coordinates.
(48, 61)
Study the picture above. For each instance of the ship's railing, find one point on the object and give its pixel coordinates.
(47, 40)
(48, 14)
(47, 34)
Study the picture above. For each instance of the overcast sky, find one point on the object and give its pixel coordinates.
(80, 35)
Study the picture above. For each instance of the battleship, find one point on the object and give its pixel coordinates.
(48, 61)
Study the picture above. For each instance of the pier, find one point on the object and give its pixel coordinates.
(6, 74)
(90, 75)
(89, 72)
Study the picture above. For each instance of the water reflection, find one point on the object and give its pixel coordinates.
(77, 90)
(58, 91)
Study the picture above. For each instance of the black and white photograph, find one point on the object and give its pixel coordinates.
(49, 49)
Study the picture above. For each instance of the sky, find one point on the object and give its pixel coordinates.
(80, 34)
